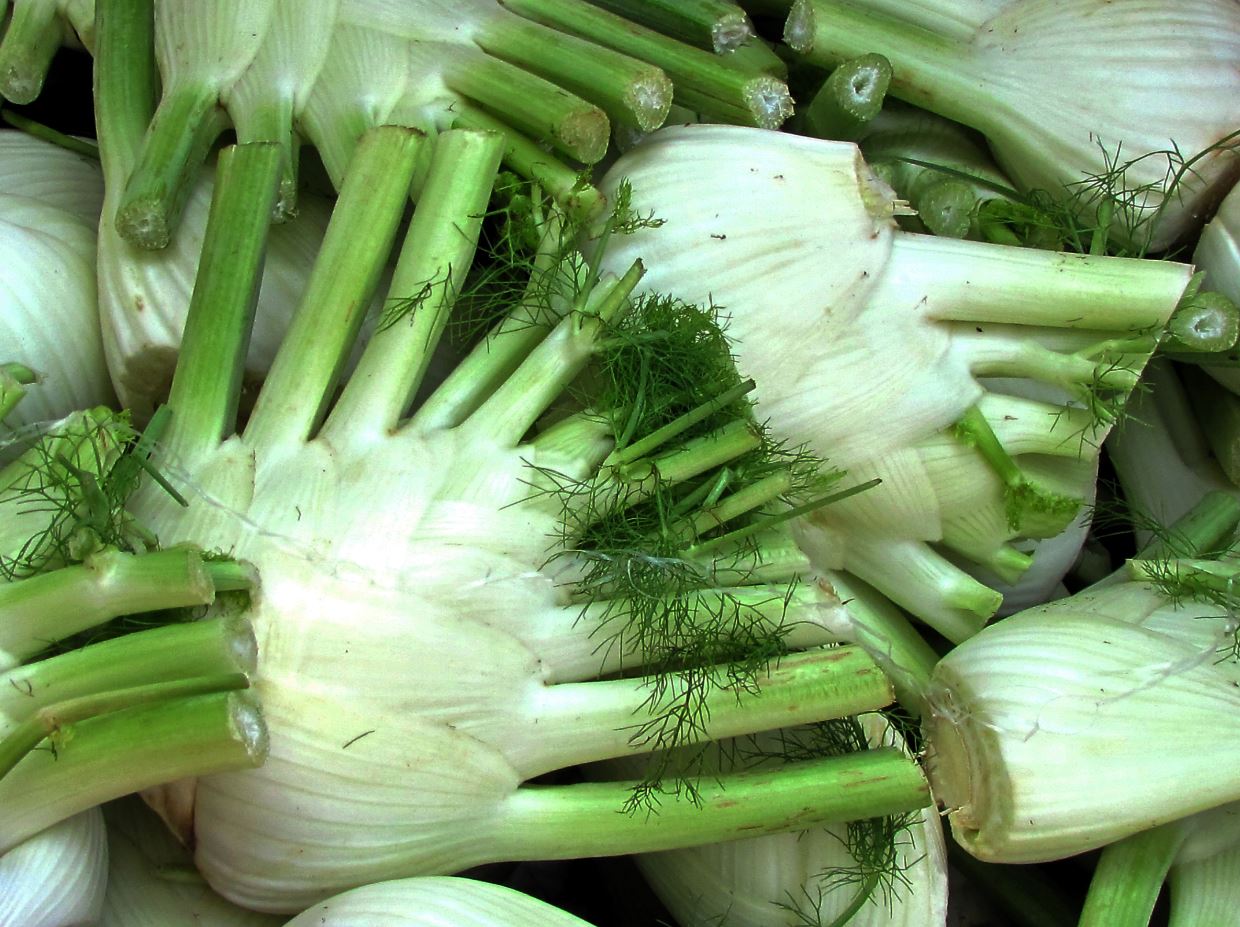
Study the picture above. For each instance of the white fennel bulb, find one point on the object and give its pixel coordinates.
(432, 901)
(1039, 727)
(57, 877)
(49, 207)
(1066, 91)
(874, 345)
(426, 638)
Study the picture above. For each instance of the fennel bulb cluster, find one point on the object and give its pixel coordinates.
(880, 348)
(1138, 95)
(50, 200)
(433, 594)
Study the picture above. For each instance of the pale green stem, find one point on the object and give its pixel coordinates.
(52, 719)
(509, 412)
(273, 122)
(703, 82)
(126, 751)
(60, 603)
(186, 124)
(186, 650)
(571, 821)
(538, 108)
(715, 25)
(13, 380)
(568, 186)
(32, 36)
(1008, 353)
(981, 282)
(82, 146)
(1129, 877)
(849, 98)
(295, 396)
(924, 583)
(930, 63)
(588, 721)
(502, 351)
(126, 83)
(1209, 322)
(207, 384)
(628, 90)
(889, 638)
(660, 436)
(1025, 500)
(434, 260)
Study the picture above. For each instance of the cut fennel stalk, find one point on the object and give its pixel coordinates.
(393, 551)
(870, 345)
(1039, 80)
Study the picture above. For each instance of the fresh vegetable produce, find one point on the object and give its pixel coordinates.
(56, 878)
(49, 207)
(558, 72)
(1067, 91)
(1151, 655)
(870, 344)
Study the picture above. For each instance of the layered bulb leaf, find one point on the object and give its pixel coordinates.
(49, 207)
(887, 352)
(1087, 100)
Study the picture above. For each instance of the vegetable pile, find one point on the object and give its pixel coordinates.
(450, 450)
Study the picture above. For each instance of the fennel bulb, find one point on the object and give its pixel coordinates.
(431, 901)
(1218, 254)
(1067, 93)
(430, 608)
(49, 207)
(870, 345)
(151, 881)
(1040, 726)
(544, 72)
(57, 877)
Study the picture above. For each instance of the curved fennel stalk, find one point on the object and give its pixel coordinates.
(422, 652)
(871, 345)
(1065, 92)
(57, 877)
